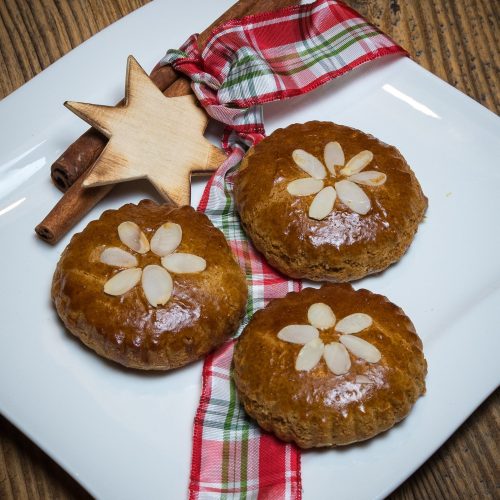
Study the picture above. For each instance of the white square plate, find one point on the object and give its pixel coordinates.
(124, 434)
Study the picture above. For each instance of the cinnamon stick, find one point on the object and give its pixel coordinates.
(163, 77)
(70, 209)
(76, 159)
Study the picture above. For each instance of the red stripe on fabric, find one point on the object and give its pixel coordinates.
(295, 465)
(213, 373)
(206, 392)
(272, 455)
(202, 206)
(254, 18)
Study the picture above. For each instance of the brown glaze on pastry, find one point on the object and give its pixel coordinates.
(204, 310)
(317, 408)
(345, 245)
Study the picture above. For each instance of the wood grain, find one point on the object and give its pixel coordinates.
(458, 40)
(144, 142)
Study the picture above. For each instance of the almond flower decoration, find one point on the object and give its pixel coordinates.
(346, 188)
(335, 354)
(156, 280)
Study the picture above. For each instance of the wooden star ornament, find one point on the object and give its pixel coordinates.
(150, 136)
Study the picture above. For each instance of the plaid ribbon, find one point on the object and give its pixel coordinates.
(275, 55)
(248, 62)
(231, 457)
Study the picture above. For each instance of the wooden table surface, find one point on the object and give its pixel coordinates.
(458, 40)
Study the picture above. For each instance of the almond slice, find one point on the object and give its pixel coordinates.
(298, 334)
(361, 348)
(337, 358)
(334, 155)
(184, 263)
(322, 204)
(166, 239)
(369, 178)
(354, 323)
(321, 316)
(309, 163)
(363, 379)
(357, 163)
(114, 256)
(131, 235)
(309, 355)
(353, 196)
(157, 285)
(305, 187)
(123, 281)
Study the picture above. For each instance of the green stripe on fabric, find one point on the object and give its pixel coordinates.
(227, 437)
(297, 70)
(248, 271)
(218, 424)
(176, 53)
(227, 215)
(231, 221)
(216, 213)
(219, 402)
(244, 455)
(306, 52)
(250, 303)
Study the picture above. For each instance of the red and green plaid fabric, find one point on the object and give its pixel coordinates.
(275, 55)
(248, 62)
(231, 457)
